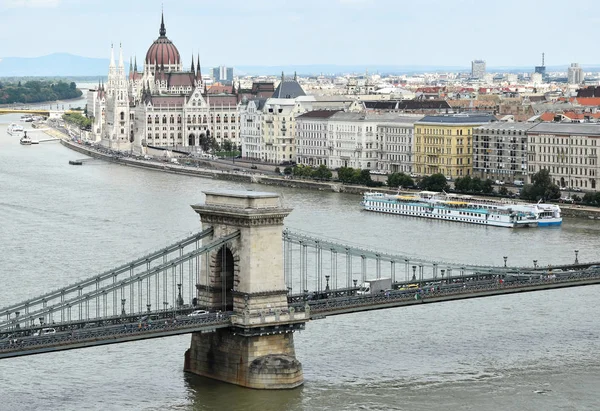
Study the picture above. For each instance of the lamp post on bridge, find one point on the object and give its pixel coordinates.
(179, 297)
(442, 272)
(576, 259)
(123, 307)
(535, 263)
(505, 258)
(414, 277)
(327, 281)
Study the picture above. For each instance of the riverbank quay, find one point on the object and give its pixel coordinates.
(236, 174)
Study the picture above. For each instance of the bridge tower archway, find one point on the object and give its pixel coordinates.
(225, 268)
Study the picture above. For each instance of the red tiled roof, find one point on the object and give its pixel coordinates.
(173, 101)
(219, 88)
(586, 101)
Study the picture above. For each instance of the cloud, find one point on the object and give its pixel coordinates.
(33, 4)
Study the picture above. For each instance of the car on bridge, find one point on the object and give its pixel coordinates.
(44, 331)
(198, 313)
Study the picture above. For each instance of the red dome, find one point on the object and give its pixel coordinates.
(162, 51)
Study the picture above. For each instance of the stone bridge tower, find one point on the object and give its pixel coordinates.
(246, 276)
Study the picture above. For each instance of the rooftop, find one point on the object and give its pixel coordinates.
(318, 114)
(505, 126)
(459, 119)
(566, 128)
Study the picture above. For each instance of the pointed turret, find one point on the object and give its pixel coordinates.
(130, 65)
(121, 56)
(192, 69)
(135, 64)
(295, 76)
(162, 31)
(198, 70)
(112, 56)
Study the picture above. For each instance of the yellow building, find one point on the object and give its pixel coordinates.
(444, 144)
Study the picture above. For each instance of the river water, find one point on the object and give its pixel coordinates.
(59, 223)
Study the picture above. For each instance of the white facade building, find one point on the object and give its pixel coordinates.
(382, 142)
(395, 144)
(569, 151)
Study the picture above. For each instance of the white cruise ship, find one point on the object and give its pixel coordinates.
(440, 206)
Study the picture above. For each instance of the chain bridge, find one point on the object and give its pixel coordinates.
(243, 285)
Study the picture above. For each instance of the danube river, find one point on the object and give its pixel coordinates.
(60, 223)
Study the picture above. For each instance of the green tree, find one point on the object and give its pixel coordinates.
(542, 188)
(487, 186)
(400, 180)
(476, 185)
(434, 182)
(346, 174)
(322, 173)
(227, 145)
(462, 183)
(503, 191)
(363, 177)
(288, 170)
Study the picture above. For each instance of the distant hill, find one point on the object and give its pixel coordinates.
(57, 64)
(69, 65)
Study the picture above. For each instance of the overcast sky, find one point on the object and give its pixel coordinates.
(299, 32)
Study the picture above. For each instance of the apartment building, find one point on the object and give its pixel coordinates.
(569, 151)
(500, 151)
(443, 144)
(395, 144)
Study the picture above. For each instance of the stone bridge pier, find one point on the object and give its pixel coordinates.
(246, 276)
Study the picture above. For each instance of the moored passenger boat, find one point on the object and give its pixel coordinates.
(441, 206)
(547, 214)
(15, 129)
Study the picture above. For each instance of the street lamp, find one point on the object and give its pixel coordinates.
(535, 263)
(414, 268)
(576, 253)
(505, 258)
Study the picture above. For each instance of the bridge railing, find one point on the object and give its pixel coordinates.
(161, 285)
(113, 274)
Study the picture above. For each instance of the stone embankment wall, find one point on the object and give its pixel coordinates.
(241, 177)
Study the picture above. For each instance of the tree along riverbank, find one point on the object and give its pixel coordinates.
(207, 170)
(37, 92)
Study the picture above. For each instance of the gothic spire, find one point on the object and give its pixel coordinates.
(135, 64)
(130, 65)
(120, 56)
(198, 71)
(295, 76)
(112, 56)
(193, 72)
(162, 31)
